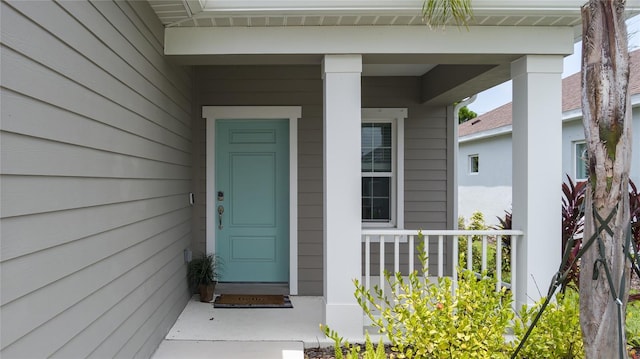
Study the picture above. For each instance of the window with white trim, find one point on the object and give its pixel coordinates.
(382, 178)
(581, 171)
(474, 164)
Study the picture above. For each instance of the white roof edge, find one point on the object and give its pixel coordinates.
(486, 134)
(577, 113)
(566, 116)
(572, 114)
(392, 7)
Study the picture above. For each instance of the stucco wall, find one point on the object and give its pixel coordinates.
(96, 170)
(489, 191)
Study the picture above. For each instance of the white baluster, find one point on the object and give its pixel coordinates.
(440, 256)
(367, 266)
(469, 253)
(484, 254)
(498, 263)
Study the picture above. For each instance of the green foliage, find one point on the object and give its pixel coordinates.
(465, 114)
(506, 223)
(353, 351)
(633, 324)
(557, 334)
(476, 256)
(476, 223)
(425, 320)
(202, 270)
(437, 13)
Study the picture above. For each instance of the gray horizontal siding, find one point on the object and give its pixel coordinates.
(425, 166)
(426, 169)
(282, 86)
(96, 157)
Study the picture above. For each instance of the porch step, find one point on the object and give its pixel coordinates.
(201, 349)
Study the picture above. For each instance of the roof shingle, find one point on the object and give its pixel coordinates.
(571, 100)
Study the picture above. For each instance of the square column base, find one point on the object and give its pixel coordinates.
(346, 319)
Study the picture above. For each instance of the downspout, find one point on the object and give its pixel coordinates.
(456, 109)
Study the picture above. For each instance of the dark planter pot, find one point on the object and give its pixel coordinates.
(206, 292)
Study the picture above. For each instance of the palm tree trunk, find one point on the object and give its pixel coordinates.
(607, 123)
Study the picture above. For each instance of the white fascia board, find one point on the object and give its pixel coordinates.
(567, 116)
(486, 134)
(576, 114)
(367, 40)
(391, 7)
(572, 114)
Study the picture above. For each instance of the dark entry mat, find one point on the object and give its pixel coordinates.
(252, 301)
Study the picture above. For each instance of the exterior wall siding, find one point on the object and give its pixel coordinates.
(95, 175)
(425, 147)
(490, 191)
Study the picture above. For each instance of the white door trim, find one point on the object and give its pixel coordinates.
(293, 113)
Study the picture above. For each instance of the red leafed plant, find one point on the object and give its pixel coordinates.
(572, 225)
(573, 195)
(634, 210)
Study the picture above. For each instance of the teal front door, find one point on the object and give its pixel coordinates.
(252, 200)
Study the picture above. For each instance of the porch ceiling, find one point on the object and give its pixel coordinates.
(241, 32)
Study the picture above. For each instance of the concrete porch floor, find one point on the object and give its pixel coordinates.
(202, 331)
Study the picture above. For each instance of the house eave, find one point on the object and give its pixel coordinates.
(387, 7)
(567, 116)
(480, 40)
(494, 132)
(576, 114)
(265, 13)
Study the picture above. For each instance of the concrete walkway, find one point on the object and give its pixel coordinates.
(202, 331)
(193, 349)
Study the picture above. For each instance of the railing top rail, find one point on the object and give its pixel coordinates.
(441, 232)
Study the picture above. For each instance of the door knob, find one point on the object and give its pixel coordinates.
(220, 212)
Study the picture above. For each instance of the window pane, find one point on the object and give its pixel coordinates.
(474, 164)
(376, 201)
(382, 160)
(380, 209)
(581, 161)
(367, 187)
(380, 186)
(376, 147)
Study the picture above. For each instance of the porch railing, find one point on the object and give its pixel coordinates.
(396, 260)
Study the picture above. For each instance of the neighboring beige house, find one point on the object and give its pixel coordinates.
(294, 124)
(485, 159)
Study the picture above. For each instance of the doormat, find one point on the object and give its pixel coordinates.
(252, 301)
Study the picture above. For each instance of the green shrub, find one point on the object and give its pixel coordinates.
(557, 334)
(461, 224)
(633, 324)
(353, 351)
(425, 320)
(476, 256)
(477, 222)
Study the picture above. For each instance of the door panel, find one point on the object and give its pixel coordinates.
(253, 187)
(252, 172)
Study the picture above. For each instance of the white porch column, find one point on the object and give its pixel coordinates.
(342, 193)
(537, 171)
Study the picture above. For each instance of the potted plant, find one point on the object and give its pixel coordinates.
(202, 276)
